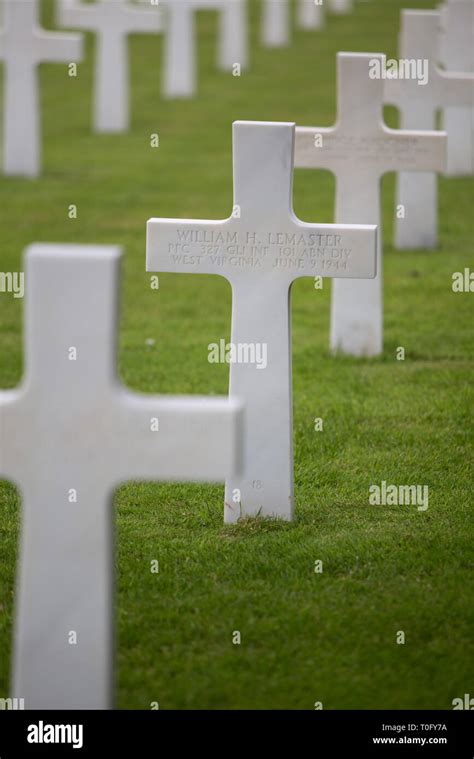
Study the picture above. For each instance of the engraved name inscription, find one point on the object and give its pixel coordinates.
(388, 150)
(283, 250)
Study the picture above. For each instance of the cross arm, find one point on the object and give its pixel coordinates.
(60, 48)
(145, 20)
(416, 150)
(70, 13)
(177, 245)
(457, 88)
(329, 250)
(178, 438)
(311, 145)
(451, 89)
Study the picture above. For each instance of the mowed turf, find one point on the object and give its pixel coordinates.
(305, 636)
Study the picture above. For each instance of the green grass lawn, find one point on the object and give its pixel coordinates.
(306, 636)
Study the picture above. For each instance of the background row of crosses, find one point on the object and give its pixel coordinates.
(23, 45)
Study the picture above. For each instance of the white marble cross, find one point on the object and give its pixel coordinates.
(23, 46)
(310, 14)
(261, 249)
(112, 21)
(70, 434)
(418, 105)
(180, 41)
(457, 54)
(275, 23)
(359, 149)
(340, 6)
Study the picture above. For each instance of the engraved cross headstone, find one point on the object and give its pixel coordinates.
(23, 46)
(359, 149)
(112, 21)
(457, 54)
(416, 193)
(261, 249)
(180, 41)
(70, 434)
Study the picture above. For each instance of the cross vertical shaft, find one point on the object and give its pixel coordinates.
(180, 50)
(275, 20)
(111, 93)
(310, 14)
(233, 35)
(266, 485)
(357, 305)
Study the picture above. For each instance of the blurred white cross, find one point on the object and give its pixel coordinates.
(69, 435)
(359, 149)
(23, 46)
(418, 104)
(112, 21)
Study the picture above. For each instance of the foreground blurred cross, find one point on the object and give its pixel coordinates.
(112, 21)
(359, 149)
(24, 45)
(418, 105)
(457, 54)
(69, 435)
(261, 249)
(180, 41)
